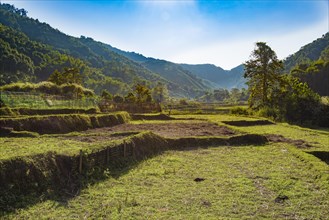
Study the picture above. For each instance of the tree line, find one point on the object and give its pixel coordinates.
(283, 97)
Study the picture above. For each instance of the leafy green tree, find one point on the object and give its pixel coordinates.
(297, 102)
(72, 75)
(143, 93)
(235, 95)
(56, 77)
(106, 95)
(69, 75)
(325, 54)
(315, 74)
(160, 92)
(263, 74)
(130, 98)
(221, 94)
(118, 99)
(244, 94)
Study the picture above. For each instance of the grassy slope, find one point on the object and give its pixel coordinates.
(240, 182)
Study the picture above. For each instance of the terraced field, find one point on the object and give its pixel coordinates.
(192, 167)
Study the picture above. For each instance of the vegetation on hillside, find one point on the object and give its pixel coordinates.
(307, 53)
(42, 49)
(280, 96)
(70, 90)
(315, 74)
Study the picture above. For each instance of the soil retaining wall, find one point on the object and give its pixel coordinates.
(60, 124)
(54, 173)
(248, 123)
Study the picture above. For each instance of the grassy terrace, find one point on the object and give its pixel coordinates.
(12, 148)
(318, 137)
(273, 181)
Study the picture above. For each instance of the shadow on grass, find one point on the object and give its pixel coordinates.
(61, 191)
(322, 155)
(25, 183)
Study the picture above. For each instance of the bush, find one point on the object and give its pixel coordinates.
(239, 111)
(48, 88)
(183, 102)
(72, 89)
(269, 112)
(106, 95)
(18, 87)
(118, 99)
(88, 92)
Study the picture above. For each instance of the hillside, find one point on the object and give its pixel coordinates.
(32, 50)
(206, 74)
(95, 56)
(219, 77)
(311, 65)
(170, 71)
(307, 53)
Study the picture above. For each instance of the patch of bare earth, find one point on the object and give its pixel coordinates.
(171, 129)
(95, 138)
(298, 143)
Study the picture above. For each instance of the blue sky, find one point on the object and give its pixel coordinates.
(220, 32)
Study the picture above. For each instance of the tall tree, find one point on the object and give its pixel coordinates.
(263, 73)
(143, 93)
(160, 92)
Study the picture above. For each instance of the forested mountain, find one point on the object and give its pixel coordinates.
(102, 67)
(194, 85)
(31, 50)
(219, 77)
(311, 65)
(210, 75)
(307, 53)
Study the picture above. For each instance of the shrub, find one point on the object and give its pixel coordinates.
(106, 95)
(269, 112)
(88, 92)
(130, 98)
(18, 87)
(239, 111)
(118, 99)
(183, 102)
(48, 88)
(75, 90)
(71, 90)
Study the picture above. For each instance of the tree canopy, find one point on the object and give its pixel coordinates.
(263, 74)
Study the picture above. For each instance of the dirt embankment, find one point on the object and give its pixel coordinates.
(151, 117)
(243, 123)
(29, 111)
(60, 124)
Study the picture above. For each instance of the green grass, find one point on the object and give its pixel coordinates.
(22, 147)
(27, 100)
(321, 137)
(28, 146)
(240, 183)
